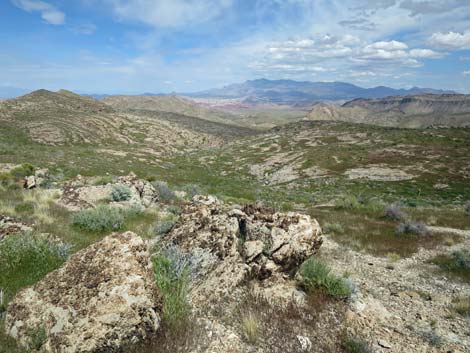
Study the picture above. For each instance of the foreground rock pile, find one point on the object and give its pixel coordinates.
(103, 297)
(228, 246)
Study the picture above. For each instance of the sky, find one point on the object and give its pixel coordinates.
(137, 46)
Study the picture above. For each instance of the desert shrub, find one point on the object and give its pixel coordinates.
(250, 327)
(120, 193)
(14, 187)
(462, 306)
(411, 228)
(164, 191)
(354, 344)
(101, 219)
(317, 275)
(466, 206)
(104, 180)
(176, 210)
(26, 258)
(349, 202)
(459, 260)
(432, 337)
(5, 179)
(25, 207)
(394, 212)
(192, 190)
(22, 171)
(172, 279)
(164, 226)
(336, 228)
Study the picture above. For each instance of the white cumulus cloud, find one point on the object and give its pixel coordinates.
(49, 13)
(451, 40)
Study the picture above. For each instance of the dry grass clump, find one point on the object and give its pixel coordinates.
(462, 306)
(250, 327)
(412, 228)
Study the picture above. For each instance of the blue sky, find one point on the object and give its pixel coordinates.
(135, 46)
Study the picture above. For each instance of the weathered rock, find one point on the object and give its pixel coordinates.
(230, 245)
(103, 297)
(145, 190)
(41, 175)
(30, 182)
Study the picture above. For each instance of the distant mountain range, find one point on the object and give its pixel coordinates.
(278, 92)
(295, 93)
(412, 111)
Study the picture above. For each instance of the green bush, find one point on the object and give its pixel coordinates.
(192, 190)
(22, 171)
(26, 258)
(459, 260)
(120, 193)
(164, 226)
(172, 280)
(333, 228)
(101, 219)
(317, 275)
(356, 345)
(25, 207)
(104, 180)
(349, 202)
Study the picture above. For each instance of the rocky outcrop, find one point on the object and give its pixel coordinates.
(102, 298)
(143, 190)
(230, 245)
(39, 177)
(78, 195)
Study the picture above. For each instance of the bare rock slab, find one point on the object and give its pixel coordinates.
(102, 298)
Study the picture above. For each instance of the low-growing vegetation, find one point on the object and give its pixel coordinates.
(316, 275)
(462, 306)
(172, 278)
(412, 228)
(120, 193)
(26, 258)
(251, 327)
(457, 263)
(356, 344)
(164, 192)
(336, 228)
(100, 219)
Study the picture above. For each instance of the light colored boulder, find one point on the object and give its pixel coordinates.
(253, 243)
(102, 298)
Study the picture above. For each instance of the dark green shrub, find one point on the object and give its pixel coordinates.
(101, 219)
(120, 193)
(22, 171)
(356, 345)
(25, 207)
(317, 275)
